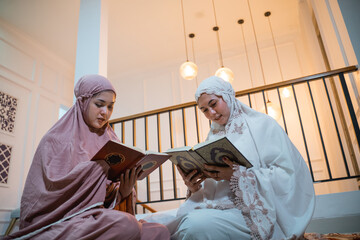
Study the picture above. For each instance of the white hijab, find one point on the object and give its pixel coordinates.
(236, 125)
(279, 178)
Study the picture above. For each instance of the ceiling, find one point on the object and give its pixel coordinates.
(147, 34)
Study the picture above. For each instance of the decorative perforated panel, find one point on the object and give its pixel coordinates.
(5, 155)
(8, 106)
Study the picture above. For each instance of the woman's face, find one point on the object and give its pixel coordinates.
(100, 109)
(214, 108)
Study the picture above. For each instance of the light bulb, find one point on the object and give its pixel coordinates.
(188, 70)
(286, 92)
(225, 73)
(273, 110)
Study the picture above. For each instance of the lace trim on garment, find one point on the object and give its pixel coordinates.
(220, 132)
(238, 129)
(257, 217)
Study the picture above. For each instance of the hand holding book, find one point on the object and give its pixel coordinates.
(122, 157)
(127, 180)
(209, 152)
(192, 180)
(220, 173)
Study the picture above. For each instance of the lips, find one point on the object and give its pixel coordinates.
(217, 118)
(101, 120)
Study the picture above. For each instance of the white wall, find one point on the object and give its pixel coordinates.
(157, 88)
(40, 82)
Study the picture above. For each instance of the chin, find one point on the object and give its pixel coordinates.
(223, 123)
(97, 126)
(219, 122)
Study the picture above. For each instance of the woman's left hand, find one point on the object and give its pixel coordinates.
(220, 173)
(127, 181)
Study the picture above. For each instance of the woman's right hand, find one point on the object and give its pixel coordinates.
(128, 180)
(192, 180)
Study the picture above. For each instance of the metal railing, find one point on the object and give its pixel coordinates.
(320, 117)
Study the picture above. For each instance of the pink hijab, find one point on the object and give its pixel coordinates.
(62, 180)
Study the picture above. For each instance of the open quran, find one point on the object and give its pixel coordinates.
(121, 157)
(209, 152)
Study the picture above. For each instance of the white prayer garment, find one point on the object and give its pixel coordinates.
(275, 197)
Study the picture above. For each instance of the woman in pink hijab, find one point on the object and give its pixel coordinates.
(66, 195)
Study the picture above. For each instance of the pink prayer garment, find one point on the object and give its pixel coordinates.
(65, 192)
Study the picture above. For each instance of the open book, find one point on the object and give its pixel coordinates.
(121, 157)
(209, 152)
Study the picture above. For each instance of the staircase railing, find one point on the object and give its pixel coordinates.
(321, 117)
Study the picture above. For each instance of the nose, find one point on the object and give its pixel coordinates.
(212, 111)
(104, 110)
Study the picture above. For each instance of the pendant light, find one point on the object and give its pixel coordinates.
(271, 109)
(223, 72)
(286, 91)
(188, 70)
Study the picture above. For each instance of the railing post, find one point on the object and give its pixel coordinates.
(159, 150)
(350, 107)
(172, 164)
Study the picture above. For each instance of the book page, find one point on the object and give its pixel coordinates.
(179, 149)
(150, 162)
(199, 145)
(214, 152)
(133, 147)
(187, 160)
(148, 152)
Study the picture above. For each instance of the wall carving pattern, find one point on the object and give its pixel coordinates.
(5, 155)
(8, 105)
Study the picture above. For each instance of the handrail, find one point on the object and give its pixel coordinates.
(242, 92)
(297, 80)
(147, 207)
(338, 111)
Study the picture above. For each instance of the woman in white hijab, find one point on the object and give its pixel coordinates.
(272, 200)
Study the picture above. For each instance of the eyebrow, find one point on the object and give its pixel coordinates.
(101, 100)
(208, 103)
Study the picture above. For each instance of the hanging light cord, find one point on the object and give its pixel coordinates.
(216, 29)
(256, 41)
(213, 4)
(183, 19)
(241, 21)
(267, 14)
(192, 35)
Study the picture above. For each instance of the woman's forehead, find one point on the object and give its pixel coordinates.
(107, 95)
(205, 98)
